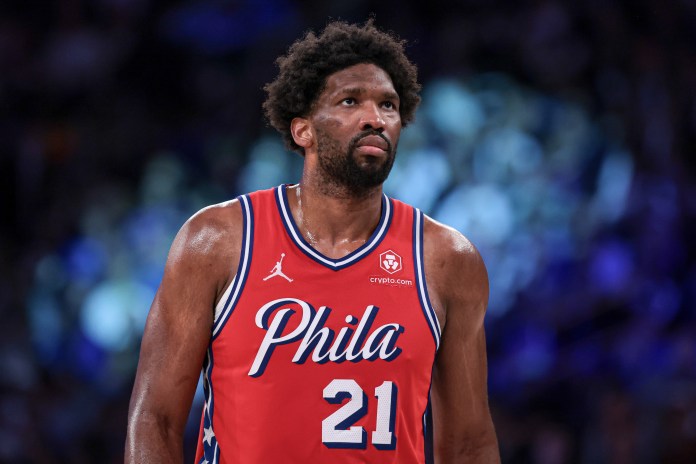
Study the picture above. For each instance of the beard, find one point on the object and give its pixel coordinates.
(342, 174)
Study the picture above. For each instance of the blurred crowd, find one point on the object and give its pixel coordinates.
(557, 135)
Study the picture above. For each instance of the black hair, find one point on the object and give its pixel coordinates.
(310, 60)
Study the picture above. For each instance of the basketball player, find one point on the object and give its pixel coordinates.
(332, 324)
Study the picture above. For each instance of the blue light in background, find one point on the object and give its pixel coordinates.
(113, 313)
(451, 109)
(269, 165)
(532, 351)
(85, 260)
(47, 325)
(419, 177)
(212, 27)
(613, 186)
(611, 267)
(506, 154)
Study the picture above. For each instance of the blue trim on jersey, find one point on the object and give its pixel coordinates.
(423, 296)
(243, 266)
(428, 434)
(335, 264)
(210, 446)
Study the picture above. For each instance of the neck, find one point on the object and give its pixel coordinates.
(335, 223)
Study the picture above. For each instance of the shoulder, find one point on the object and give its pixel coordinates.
(451, 247)
(455, 270)
(216, 219)
(209, 241)
(210, 227)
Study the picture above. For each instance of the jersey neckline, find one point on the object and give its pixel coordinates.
(340, 263)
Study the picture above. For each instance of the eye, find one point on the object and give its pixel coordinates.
(350, 101)
(390, 105)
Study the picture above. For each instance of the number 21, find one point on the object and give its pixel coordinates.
(338, 431)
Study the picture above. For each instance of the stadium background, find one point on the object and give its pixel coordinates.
(559, 136)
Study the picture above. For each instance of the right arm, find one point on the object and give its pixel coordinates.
(201, 262)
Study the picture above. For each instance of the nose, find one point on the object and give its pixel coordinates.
(371, 118)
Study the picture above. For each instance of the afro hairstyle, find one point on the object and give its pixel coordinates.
(310, 60)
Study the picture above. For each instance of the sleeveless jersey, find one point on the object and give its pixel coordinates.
(320, 360)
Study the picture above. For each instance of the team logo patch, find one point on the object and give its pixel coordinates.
(390, 261)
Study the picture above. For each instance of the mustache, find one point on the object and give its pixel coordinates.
(354, 141)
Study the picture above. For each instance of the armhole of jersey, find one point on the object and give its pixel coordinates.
(229, 299)
(421, 285)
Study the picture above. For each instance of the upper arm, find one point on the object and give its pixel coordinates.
(457, 276)
(179, 324)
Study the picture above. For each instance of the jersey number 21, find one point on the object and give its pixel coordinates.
(338, 431)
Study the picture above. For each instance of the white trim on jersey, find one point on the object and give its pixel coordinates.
(422, 288)
(332, 263)
(220, 307)
(227, 302)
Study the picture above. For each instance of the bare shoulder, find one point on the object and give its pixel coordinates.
(450, 247)
(209, 230)
(455, 272)
(215, 221)
(210, 241)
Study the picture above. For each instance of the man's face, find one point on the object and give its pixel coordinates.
(357, 124)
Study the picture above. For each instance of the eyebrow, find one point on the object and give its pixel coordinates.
(361, 90)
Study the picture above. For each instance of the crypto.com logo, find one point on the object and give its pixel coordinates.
(390, 262)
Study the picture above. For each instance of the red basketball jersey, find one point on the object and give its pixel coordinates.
(320, 360)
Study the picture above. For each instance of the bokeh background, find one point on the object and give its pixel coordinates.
(558, 135)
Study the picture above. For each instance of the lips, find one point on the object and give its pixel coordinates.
(373, 141)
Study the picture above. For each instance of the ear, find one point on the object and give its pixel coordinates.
(302, 132)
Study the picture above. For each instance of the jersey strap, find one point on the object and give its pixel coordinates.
(428, 310)
(229, 299)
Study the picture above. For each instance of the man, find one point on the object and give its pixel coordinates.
(368, 346)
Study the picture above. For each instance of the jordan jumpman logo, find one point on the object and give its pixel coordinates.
(278, 270)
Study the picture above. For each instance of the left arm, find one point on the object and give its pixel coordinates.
(463, 427)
